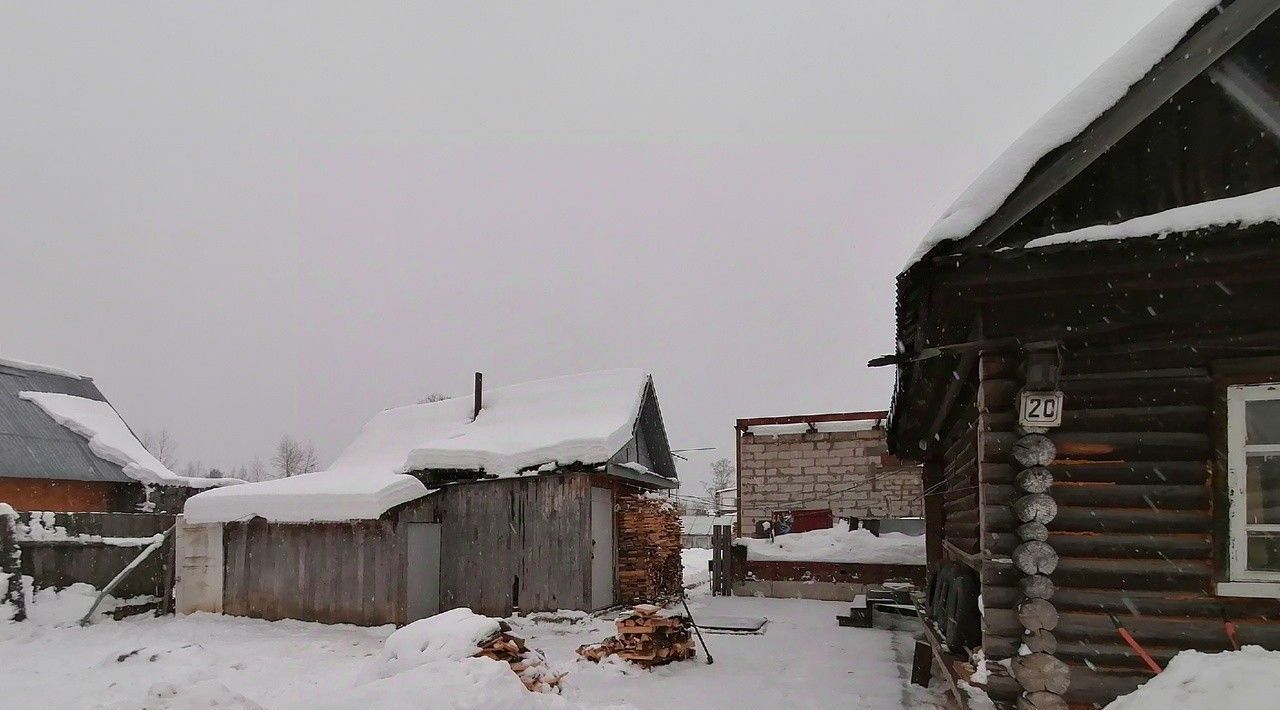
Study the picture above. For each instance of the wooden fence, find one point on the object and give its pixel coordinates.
(57, 550)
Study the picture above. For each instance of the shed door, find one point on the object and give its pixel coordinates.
(423, 573)
(602, 548)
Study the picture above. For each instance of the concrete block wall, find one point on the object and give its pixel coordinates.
(849, 471)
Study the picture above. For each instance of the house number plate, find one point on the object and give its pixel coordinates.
(1042, 409)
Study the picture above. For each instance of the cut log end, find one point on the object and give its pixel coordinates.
(1034, 450)
(1037, 586)
(1036, 479)
(1040, 672)
(1041, 641)
(1037, 615)
(1035, 558)
(1041, 700)
(1033, 531)
(1035, 507)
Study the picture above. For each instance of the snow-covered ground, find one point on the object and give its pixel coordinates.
(803, 660)
(696, 566)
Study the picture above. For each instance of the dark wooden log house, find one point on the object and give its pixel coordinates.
(1160, 506)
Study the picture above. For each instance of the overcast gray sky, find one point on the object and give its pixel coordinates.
(250, 219)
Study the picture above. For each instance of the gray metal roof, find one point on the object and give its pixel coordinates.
(32, 445)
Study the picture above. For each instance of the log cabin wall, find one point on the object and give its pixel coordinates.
(1137, 483)
(1150, 335)
(958, 483)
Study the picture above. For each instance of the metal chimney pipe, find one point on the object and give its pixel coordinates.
(479, 384)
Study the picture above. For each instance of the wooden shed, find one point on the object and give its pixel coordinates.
(539, 499)
(1088, 365)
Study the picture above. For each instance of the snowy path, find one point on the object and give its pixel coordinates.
(203, 661)
(803, 660)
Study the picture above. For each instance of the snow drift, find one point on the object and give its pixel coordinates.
(431, 663)
(1248, 678)
(448, 636)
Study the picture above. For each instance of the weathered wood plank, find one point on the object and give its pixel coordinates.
(1158, 497)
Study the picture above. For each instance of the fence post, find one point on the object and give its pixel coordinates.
(11, 565)
(721, 578)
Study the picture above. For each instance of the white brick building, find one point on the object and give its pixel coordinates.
(836, 461)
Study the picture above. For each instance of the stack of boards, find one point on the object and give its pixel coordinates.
(649, 566)
(646, 638)
(529, 664)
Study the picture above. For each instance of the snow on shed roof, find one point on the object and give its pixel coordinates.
(585, 418)
(1245, 210)
(111, 440)
(1066, 120)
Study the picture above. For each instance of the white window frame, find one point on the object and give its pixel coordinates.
(1243, 582)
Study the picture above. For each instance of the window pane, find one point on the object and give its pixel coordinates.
(1264, 552)
(1262, 490)
(1262, 418)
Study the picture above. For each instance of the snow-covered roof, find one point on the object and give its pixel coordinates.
(820, 427)
(1243, 210)
(585, 418)
(1066, 120)
(111, 440)
(702, 524)
(36, 367)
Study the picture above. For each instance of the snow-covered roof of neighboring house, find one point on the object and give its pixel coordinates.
(111, 440)
(36, 367)
(1066, 120)
(35, 444)
(561, 421)
(702, 524)
(1243, 210)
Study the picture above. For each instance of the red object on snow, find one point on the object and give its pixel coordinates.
(807, 520)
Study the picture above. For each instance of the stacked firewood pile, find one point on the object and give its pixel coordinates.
(646, 638)
(527, 663)
(649, 567)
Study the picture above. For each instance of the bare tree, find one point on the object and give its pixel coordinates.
(433, 397)
(722, 475)
(294, 457)
(195, 469)
(257, 471)
(162, 446)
